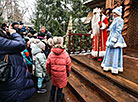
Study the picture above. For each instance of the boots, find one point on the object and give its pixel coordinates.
(60, 97)
(52, 96)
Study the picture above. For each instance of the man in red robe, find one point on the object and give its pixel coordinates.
(99, 26)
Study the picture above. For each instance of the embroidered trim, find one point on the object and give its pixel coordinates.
(120, 69)
(101, 53)
(113, 39)
(121, 45)
(103, 26)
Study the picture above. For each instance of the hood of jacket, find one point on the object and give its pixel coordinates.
(57, 51)
(36, 50)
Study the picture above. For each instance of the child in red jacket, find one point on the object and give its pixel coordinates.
(58, 66)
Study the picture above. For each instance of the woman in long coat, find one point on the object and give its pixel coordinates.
(19, 87)
(113, 59)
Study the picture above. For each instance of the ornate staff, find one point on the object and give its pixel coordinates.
(99, 35)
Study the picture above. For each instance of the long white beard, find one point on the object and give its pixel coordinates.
(95, 25)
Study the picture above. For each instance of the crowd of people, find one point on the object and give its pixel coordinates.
(35, 57)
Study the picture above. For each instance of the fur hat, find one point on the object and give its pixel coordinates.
(118, 10)
(41, 45)
(58, 42)
(50, 42)
(96, 10)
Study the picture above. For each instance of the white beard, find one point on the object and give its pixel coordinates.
(95, 25)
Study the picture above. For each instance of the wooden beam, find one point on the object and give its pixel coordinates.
(109, 3)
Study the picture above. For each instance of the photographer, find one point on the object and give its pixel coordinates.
(19, 87)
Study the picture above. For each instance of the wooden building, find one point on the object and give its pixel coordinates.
(130, 16)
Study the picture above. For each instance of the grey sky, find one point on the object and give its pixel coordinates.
(27, 7)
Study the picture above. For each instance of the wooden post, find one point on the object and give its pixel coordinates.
(91, 44)
(73, 44)
(69, 42)
(126, 20)
(86, 43)
(109, 3)
(80, 42)
(99, 38)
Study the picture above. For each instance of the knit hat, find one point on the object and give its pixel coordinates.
(41, 45)
(118, 10)
(14, 23)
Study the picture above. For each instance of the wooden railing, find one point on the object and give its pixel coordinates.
(83, 41)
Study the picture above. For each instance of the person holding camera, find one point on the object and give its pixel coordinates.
(19, 87)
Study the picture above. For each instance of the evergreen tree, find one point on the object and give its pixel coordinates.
(54, 15)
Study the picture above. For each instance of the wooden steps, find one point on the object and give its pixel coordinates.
(130, 68)
(69, 97)
(82, 88)
(104, 86)
(124, 83)
(89, 83)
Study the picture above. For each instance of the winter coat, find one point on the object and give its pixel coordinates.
(58, 65)
(115, 38)
(40, 61)
(27, 57)
(20, 86)
(41, 35)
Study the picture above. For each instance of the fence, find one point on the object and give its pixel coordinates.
(78, 43)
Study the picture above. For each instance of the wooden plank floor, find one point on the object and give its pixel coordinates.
(118, 78)
(110, 88)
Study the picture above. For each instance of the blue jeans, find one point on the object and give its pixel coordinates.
(39, 82)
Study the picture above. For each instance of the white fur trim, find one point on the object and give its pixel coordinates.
(117, 12)
(117, 45)
(91, 36)
(121, 45)
(103, 26)
(114, 71)
(102, 65)
(106, 68)
(113, 39)
(120, 69)
(101, 53)
(103, 17)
